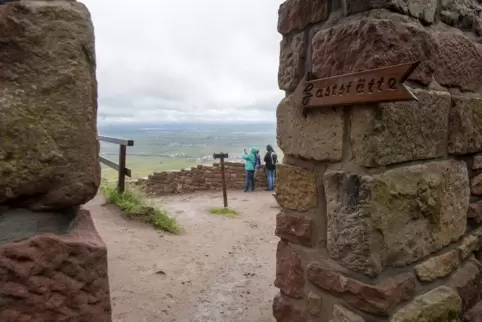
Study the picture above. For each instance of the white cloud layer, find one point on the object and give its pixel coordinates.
(186, 60)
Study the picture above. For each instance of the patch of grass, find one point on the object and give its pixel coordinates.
(134, 204)
(228, 212)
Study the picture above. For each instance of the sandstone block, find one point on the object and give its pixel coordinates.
(459, 62)
(315, 304)
(438, 266)
(296, 229)
(462, 14)
(476, 185)
(297, 14)
(424, 10)
(402, 131)
(466, 282)
(318, 136)
(290, 277)
(295, 188)
(341, 314)
(292, 62)
(474, 314)
(373, 43)
(377, 299)
(284, 311)
(477, 162)
(475, 212)
(465, 125)
(395, 218)
(441, 305)
(56, 277)
(48, 134)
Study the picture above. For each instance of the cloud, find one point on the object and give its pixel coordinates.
(186, 60)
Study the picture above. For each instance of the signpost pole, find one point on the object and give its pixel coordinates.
(225, 194)
(222, 156)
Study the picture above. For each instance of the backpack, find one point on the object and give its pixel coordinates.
(274, 158)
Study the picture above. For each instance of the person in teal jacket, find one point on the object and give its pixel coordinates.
(250, 163)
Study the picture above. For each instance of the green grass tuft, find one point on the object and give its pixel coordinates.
(134, 204)
(228, 212)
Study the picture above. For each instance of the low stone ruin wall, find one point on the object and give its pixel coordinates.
(200, 178)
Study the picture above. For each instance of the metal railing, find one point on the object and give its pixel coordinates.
(121, 167)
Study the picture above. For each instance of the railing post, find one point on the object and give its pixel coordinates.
(122, 167)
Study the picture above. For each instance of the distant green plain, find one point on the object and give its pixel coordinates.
(171, 150)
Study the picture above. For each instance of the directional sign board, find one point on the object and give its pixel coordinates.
(371, 86)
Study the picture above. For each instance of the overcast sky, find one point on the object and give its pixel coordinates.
(186, 60)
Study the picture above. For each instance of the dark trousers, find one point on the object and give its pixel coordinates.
(249, 180)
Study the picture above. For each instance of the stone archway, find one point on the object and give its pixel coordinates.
(381, 203)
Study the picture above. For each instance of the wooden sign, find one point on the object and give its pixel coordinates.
(223, 156)
(371, 86)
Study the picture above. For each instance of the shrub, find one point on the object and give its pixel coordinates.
(135, 205)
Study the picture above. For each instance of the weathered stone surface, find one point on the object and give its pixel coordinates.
(477, 162)
(470, 243)
(56, 277)
(341, 314)
(424, 10)
(475, 212)
(476, 185)
(315, 304)
(292, 62)
(318, 136)
(373, 43)
(376, 299)
(48, 89)
(403, 131)
(474, 314)
(296, 229)
(441, 305)
(438, 266)
(459, 62)
(297, 14)
(295, 188)
(462, 14)
(466, 282)
(395, 218)
(284, 311)
(465, 125)
(290, 277)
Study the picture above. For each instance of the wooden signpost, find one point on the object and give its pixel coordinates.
(223, 156)
(371, 86)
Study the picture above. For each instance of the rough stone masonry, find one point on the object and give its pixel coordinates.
(381, 203)
(53, 264)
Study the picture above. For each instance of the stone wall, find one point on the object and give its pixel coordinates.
(53, 263)
(200, 178)
(381, 203)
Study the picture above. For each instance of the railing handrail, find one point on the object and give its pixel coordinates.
(119, 141)
(121, 167)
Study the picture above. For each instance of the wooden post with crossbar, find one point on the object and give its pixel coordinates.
(223, 156)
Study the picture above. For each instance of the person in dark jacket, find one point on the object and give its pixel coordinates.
(270, 160)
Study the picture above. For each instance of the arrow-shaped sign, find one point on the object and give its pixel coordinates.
(371, 86)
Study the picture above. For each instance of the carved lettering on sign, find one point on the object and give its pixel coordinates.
(378, 85)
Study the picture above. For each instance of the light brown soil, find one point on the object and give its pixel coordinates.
(218, 269)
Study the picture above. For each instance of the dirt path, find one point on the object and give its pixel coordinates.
(218, 269)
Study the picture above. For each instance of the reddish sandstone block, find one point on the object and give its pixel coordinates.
(297, 14)
(56, 277)
(284, 311)
(379, 299)
(296, 229)
(290, 277)
(466, 282)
